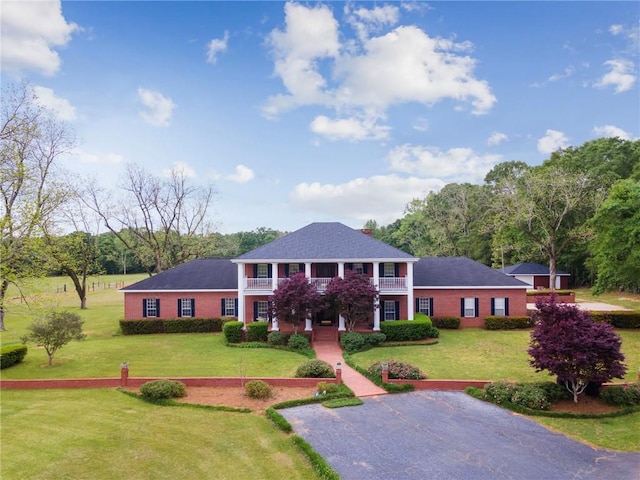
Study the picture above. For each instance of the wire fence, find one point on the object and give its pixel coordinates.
(91, 287)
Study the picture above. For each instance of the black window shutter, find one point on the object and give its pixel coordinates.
(144, 307)
(301, 267)
(269, 270)
(431, 306)
(349, 266)
(179, 307)
(506, 307)
(462, 307)
(365, 268)
(493, 306)
(396, 269)
(222, 307)
(417, 304)
(397, 308)
(255, 271)
(235, 307)
(158, 307)
(477, 307)
(193, 307)
(381, 269)
(255, 310)
(286, 270)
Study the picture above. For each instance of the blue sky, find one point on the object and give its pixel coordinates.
(303, 112)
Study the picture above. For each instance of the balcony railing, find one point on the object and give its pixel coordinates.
(385, 284)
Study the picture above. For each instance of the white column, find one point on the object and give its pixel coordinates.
(341, 269)
(274, 324)
(241, 295)
(307, 269)
(376, 318)
(307, 327)
(411, 304)
(274, 276)
(341, 326)
(376, 283)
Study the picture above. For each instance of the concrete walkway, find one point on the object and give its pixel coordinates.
(330, 352)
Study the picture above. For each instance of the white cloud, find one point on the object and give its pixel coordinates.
(364, 21)
(157, 109)
(181, 168)
(553, 140)
(99, 158)
(421, 124)
(496, 138)
(616, 29)
(621, 75)
(611, 131)
(381, 197)
(60, 107)
(363, 79)
(559, 76)
(29, 33)
(348, 129)
(216, 46)
(242, 174)
(456, 164)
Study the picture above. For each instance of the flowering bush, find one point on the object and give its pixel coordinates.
(397, 370)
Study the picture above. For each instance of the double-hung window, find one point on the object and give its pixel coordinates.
(229, 307)
(151, 307)
(389, 310)
(263, 270)
(358, 268)
(424, 305)
(500, 307)
(294, 268)
(262, 310)
(186, 307)
(389, 270)
(469, 307)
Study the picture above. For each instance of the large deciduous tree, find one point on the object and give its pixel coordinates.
(354, 297)
(569, 344)
(32, 189)
(160, 220)
(295, 300)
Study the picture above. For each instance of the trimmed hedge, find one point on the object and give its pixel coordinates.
(172, 325)
(11, 355)
(622, 396)
(546, 293)
(162, 389)
(353, 342)
(277, 339)
(406, 330)
(257, 331)
(535, 396)
(233, 331)
(506, 323)
(446, 322)
(619, 319)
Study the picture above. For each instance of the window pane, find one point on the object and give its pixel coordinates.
(498, 306)
(229, 307)
(263, 313)
(469, 307)
(263, 270)
(293, 268)
(186, 307)
(152, 307)
(423, 306)
(389, 270)
(358, 268)
(389, 310)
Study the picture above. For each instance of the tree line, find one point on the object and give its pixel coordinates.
(579, 211)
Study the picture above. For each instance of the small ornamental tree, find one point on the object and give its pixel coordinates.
(54, 331)
(569, 344)
(295, 300)
(354, 297)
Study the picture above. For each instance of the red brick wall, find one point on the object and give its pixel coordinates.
(208, 304)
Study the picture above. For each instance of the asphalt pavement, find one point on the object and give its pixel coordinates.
(439, 435)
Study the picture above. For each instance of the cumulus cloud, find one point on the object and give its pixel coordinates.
(157, 109)
(553, 140)
(620, 76)
(29, 33)
(179, 168)
(348, 129)
(216, 46)
(242, 174)
(99, 158)
(454, 165)
(611, 131)
(496, 138)
(60, 107)
(362, 78)
(381, 197)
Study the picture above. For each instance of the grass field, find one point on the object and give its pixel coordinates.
(104, 434)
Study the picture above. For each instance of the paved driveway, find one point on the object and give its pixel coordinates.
(448, 435)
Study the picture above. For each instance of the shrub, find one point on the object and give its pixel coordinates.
(11, 355)
(258, 389)
(327, 387)
(276, 339)
(162, 389)
(352, 342)
(446, 322)
(257, 331)
(536, 396)
(622, 396)
(397, 371)
(298, 342)
(407, 330)
(373, 339)
(506, 323)
(233, 331)
(619, 319)
(193, 325)
(315, 369)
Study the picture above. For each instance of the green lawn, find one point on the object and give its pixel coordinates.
(478, 354)
(104, 434)
(622, 299)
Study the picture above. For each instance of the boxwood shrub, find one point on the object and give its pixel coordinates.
(536, 396)
(297, 341)
(406, 330)
(257, 331)
(353, 342)
(171, 325)
(233, 331)
(619, 319)
(163, 389)
(397, 370)
(315, 369)
(446, 322)
(11, 355)
(277, 339)
(258, 389)
(506, 323)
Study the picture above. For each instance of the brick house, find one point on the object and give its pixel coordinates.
(240, 287)
(537, 276)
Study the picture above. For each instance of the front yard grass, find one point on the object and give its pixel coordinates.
(104, 434)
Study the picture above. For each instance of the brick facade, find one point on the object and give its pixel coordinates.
(207, 304)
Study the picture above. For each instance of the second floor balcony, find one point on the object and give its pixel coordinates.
(386, 285)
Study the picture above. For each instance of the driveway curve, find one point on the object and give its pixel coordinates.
(448, 435)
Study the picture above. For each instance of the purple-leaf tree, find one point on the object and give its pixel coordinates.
(354, 297)
(295, 300)
(569, 344)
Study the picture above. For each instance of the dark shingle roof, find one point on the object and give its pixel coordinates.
(459, 272)
(199, 274)
(531, 269)
(325, 241)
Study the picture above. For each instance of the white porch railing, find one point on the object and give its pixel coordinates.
(257, 284)
(392, 284)
(385, 284)
(320, 283)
